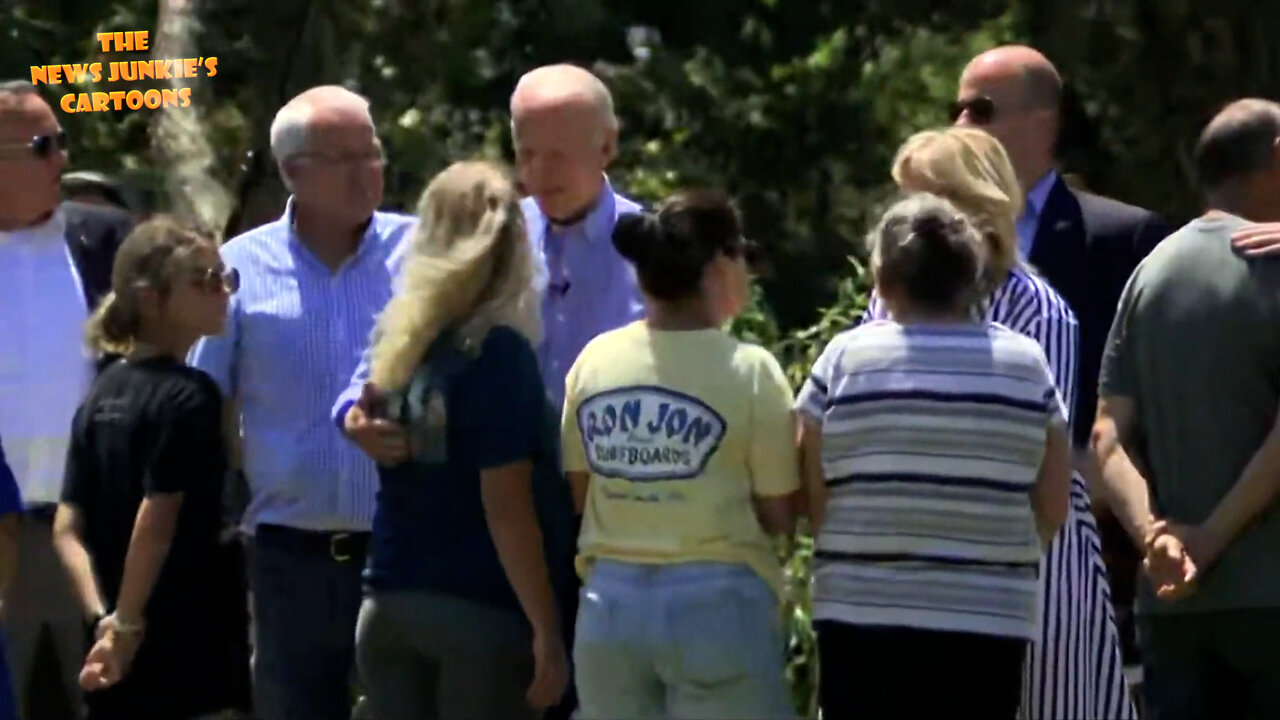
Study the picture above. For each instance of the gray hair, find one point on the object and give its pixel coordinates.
(289, 128)
(927, 249)
(17, 87)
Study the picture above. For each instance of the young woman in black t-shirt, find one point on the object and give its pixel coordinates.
(141, 515)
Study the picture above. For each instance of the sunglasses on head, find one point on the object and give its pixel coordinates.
(981, 109)
(41, 146)
(217, 279)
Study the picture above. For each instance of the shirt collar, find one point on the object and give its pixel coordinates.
(370, 231)
(1040, 193)
(54, 228)
(598, 221)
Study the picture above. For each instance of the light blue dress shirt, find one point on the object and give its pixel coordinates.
(294, 336)
(1029, 221)
(588, 288)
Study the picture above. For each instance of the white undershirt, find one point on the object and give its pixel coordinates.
(45, 369)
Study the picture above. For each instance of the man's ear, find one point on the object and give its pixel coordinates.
(610, 146)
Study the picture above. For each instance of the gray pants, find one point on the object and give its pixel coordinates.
(423, 655)
(40, 609)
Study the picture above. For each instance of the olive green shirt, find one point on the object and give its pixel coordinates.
(1196, 345)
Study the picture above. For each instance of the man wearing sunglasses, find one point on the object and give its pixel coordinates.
(1085, 245)
(55, 264)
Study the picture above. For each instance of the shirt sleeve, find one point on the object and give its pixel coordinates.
(1055, 411)
(77, 484)
(774, 460)
(572, 449)
(813, 400)
(355, 388)
(504, 406)
(218, 356)
(190, 450)
(1058, 335)
(1116, 376)
(10, 498)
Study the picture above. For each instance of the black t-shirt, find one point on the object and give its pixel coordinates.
(151, 427)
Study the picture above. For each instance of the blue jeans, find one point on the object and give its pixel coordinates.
(693, 640)
(305, 606)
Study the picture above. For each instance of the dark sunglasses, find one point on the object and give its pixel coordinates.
(217, 279)
(982, 110)
(42, 146)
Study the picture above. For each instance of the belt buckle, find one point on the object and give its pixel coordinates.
(335, 541)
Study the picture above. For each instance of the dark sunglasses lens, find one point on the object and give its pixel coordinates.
(45, 145)
(231, 280)
(982, 110)
(955, 110)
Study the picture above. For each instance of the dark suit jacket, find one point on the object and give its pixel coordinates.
(1087, 246)
(93, 234)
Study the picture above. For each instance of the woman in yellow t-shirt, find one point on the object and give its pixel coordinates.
(679, 443)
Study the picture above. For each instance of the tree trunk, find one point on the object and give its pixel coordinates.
(179, 138)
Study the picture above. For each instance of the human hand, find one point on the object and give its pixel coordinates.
(109, 660)
(383, 440)
(1257, 239)
(550, 671)
(1168, 566)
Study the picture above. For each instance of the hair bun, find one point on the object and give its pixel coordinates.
(635, 235)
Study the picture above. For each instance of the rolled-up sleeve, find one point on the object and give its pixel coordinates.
(354, 389)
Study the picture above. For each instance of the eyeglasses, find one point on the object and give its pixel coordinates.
(41, 146)
(982, 110)
(372, 157)
(217, 279)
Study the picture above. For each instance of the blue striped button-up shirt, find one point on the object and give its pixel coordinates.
(293, 339)
(588, 287)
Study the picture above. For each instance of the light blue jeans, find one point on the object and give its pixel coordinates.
(694, 640)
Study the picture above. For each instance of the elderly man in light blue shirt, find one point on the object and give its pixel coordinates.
(566, 133)
(311, 284)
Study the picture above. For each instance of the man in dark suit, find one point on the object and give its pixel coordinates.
(1085, 245)
(55, 266)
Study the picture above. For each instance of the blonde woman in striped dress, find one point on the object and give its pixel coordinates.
(1074, 670)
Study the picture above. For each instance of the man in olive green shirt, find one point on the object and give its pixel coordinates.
(1188, 442)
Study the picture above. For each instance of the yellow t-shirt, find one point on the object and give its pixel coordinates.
(678, 430)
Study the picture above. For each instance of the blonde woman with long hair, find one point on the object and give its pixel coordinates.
(472, 533)
(1076, 662)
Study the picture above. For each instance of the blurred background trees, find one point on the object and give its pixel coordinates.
(795, 106)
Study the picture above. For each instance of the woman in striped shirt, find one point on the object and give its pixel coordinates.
(1074, 669)
(938, 468)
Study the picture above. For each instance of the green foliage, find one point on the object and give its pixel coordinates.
(797, 351)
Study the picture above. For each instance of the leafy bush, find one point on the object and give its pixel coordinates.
(797, 352)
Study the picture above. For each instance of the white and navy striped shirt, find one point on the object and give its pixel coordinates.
(932, 438)
(295, 333)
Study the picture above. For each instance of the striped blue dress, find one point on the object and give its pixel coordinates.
(1074, 671)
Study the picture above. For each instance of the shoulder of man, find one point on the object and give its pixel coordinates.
(93, 234)
(1108, 216)
(96, 228)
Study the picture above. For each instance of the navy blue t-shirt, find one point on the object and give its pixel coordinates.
(429, 527)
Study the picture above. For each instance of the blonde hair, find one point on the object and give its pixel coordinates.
(469, 267)
(970, 168)
(151, 257)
